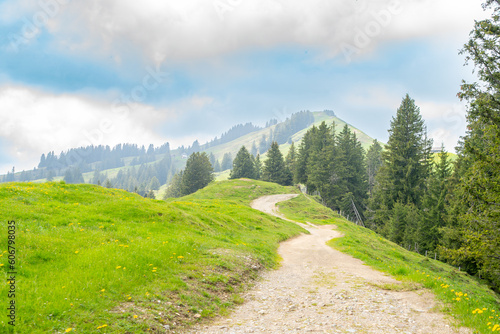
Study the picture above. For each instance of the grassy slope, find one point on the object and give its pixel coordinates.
(192, 255)
(88, 256)
(463, 297)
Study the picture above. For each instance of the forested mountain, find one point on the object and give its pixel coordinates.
(144, 169)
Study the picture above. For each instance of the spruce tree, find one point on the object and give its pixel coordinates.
(406, 165)
(320, 161)
(435, 204)
(227, 162)
(243, 165)
(197, 174)
(274, 167)
(291, 157)
(349, 167)
(373, 163)
(406, 160)
(258, 167)
(300, 174)
(174, 190)
(217, 167)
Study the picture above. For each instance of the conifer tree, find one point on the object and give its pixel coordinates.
(243, 165)
(254, 151)
(320, 162)
(227, 162)
(174, 190)
(406, 166)
(373, 163)
(217, 167)
(435, 203)
(302, 162)
(258, 167)
(274, 167)
(290, 159)
(406, 160)
(350, 168)
(197, 174)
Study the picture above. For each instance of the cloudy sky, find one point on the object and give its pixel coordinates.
(76, 73)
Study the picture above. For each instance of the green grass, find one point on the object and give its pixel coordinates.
(465, 298)
(88, 256)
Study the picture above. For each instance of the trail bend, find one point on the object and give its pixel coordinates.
(318, 289)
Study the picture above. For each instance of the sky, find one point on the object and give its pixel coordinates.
(104, 72)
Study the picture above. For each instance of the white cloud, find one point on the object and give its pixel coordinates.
(33, 122)
(191, 29)
(446, 122)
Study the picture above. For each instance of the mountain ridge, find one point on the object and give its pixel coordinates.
(125, 161)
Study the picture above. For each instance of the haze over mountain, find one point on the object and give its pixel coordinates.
(120, 163)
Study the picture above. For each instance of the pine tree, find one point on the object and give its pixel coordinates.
(406, 166)
(274, 167)
(302, 162)
(217, 167)
(254, 151)
(349, 167)
(227, 162)
(373, 163)
(406, 160)
(197, 174)
(319, 162)
(435, 203)
(174, 190)
(96, 177)
(258, 167)
(243, 165)
(291, 158)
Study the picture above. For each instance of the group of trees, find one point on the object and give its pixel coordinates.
(333, 166)
(274, 169)
(198, 174)
(406, 195)
(471, 238)
(451, 209)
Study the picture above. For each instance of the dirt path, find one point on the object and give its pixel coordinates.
(319, 289)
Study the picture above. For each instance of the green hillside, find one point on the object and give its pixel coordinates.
(88, 256)
(94, 260)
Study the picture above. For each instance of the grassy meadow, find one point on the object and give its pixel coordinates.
(97, 260)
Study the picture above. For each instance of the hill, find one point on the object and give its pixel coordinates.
(255, 136)
(90, 257)
(132, 168)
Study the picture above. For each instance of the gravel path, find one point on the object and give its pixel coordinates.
(321, 290)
